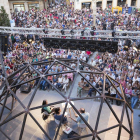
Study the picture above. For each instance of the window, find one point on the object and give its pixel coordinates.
(109, 3)
(19, 7)
(133, 3)
(33, 5)
(99, 4)
(121, 3)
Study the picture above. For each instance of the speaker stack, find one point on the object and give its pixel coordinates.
(4, 42)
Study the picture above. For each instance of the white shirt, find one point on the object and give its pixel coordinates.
(60, 80)
(87, 77)
(65, 81)
(93, 63)
(135, 79)
(112, 90)
(131, 68)
(97, 79)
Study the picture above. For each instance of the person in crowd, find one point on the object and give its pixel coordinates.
(58, 116)
(134, 98)
(60, 82)
(112, 93)
(65, 83)
(92, 63)
(54, 80)
(48, 109)
(91, 89)
(107, 89)
(128, 91)
(80, 87)
(78, 119)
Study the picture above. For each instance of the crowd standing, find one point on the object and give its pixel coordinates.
(123, 66)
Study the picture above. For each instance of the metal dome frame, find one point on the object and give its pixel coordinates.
(7, 91)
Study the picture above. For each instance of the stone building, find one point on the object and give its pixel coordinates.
(17, 5)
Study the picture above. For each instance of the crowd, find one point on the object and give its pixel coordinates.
(122, 66)
(65, 17)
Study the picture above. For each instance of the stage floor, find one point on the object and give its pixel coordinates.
(33, 132)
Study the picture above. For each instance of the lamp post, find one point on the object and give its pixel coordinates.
(94, 12)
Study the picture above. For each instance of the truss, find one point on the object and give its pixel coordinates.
(9, 92)
(76, 33)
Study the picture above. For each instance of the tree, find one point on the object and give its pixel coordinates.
(4, 19)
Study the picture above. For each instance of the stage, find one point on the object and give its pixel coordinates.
(33, 132)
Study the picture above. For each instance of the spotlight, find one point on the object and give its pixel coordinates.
(62, 32)
(113, 34)
(72, 32)
(92, 33)
(45, 30)
(82, 33)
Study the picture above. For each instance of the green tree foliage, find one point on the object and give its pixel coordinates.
(4, 19)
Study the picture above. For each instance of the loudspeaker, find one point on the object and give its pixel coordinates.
(25, 88)
(4, 42)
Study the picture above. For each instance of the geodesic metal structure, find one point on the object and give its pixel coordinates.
(29, 68)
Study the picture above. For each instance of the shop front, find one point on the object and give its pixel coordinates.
(121, 3)
(133, 2)
(109, 3)
(99, 4)
(86, 5)
(26, 5)
(33, 5)
(18, 7)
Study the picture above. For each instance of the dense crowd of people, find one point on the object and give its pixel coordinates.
(65, 17)
(123, 66)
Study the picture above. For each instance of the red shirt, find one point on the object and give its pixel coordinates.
(88, 52)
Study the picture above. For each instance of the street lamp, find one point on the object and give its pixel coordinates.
(94, 12)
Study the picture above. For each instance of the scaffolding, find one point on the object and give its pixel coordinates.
(75, 34)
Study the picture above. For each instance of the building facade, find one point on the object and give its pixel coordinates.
(79, 4)
(25, 5)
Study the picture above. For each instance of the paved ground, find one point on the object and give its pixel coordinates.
(33, 132)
